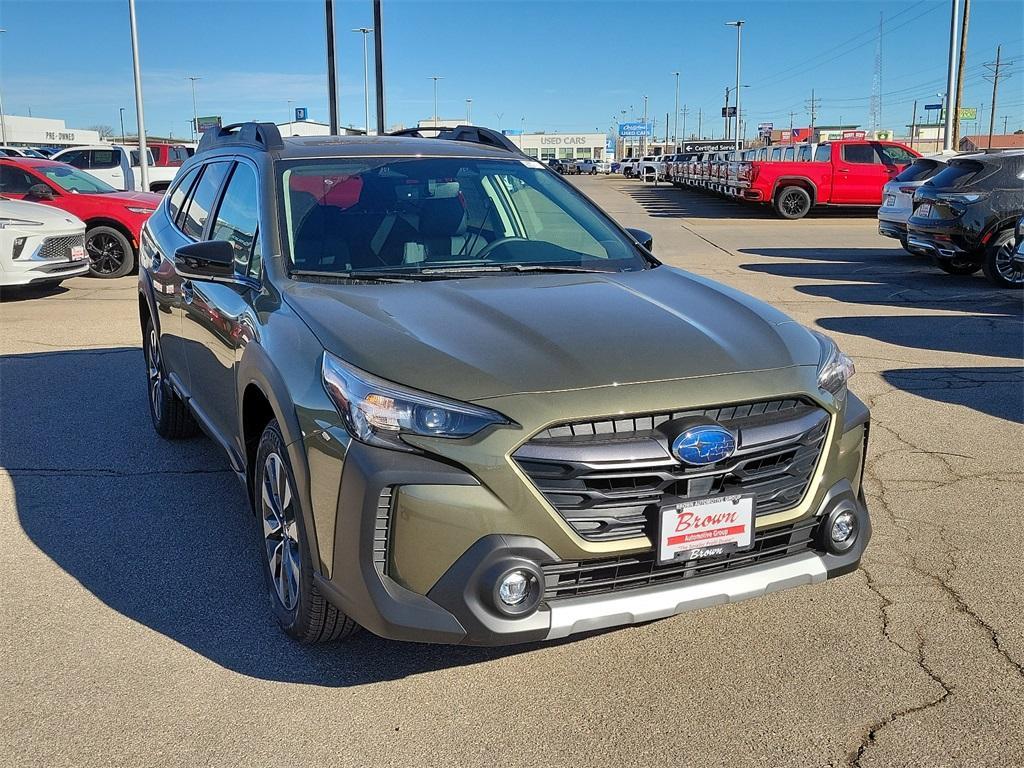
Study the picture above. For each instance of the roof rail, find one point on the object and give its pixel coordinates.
(261, 135)
(470, 133)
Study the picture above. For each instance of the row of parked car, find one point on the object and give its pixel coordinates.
(587, 166)
(962, 210)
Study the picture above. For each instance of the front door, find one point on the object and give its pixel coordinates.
(858, 176)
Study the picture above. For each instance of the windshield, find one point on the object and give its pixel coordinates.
(73, 180)
(424, 215)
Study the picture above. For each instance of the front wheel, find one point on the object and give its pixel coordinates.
(110, 253)
(793, 203)
(301, 609)
(1003, 265)
(171, 417)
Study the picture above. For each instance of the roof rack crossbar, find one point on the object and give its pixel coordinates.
(262, 135)
(473, 134)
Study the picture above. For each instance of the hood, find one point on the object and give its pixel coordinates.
(499, 335)
(44, 214)
(135, 199)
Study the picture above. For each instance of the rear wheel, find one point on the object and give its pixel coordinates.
(1002, 265)
(960, 265)
(301, 609)
(110, 253)
(792, 203)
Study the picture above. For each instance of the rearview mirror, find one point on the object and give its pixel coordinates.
(642, 237)
(208, 260)
(39, 192)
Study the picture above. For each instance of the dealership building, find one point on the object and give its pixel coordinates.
(563, 146)
(21, 131)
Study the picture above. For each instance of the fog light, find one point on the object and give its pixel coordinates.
(844, 527)
(19, 245)
(514, 588)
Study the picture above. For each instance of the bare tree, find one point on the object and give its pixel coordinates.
(105, 131)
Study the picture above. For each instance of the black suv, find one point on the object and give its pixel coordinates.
(964, 217)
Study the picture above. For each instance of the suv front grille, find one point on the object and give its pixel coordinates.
(594, 577)
(607, 479)
(60, 247)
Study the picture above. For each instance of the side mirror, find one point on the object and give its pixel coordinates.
(208, 260)
(39, 192)
(642, 237)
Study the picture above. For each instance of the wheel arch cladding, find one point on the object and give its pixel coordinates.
(799, 181)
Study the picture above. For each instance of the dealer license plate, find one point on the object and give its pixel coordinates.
(890, 201)
(77, 252)
(710, 527)
(924, 210)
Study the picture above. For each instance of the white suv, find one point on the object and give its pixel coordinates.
(118, 166)
(39, 244)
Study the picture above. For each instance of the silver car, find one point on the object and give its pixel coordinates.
(898, 195)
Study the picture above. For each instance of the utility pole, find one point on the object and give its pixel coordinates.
(954, 19)
(378, 59)
(960, 73)
(995, 91)
(739, 47)
(700, 123)
(3, 120)
(813, 109)
(195, 113)
(791, 116)
(725, 132)
(140, 120)
(675, 129)
(332, 71)
(1005, 119)
(366, 79)
(685, 113)
(913, 125)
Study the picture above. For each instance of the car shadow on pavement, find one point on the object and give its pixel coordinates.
(161, 531)
(997, 392)
(27, 292)
(971, 316)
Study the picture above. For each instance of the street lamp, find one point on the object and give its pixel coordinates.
(140, 119)
(435, 78)
(366, 80)
(3, 120)
(469, 111)
(121, 111)
(675, 127)
(499, 115)
(727, 92)
(739, 45)
(195, 113)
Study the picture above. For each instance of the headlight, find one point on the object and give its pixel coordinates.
(834, 367)
(146, 211)
(379, 412)
(9, 222)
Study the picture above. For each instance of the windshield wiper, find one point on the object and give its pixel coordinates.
(493, 268)
(382, 277)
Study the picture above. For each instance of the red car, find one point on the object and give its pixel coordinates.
(113, 219)
(169, 155)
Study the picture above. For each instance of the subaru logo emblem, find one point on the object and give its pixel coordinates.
(702, 445)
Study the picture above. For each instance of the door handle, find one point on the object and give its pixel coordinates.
(187, 291)
(843, 170)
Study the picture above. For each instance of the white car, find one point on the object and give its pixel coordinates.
(39, 244)
(118, 166)
(898, 195)
(628, 166)
(651, 167)
(593, 167)
(6, 151)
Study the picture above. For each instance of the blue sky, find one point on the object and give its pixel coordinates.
(560, 65)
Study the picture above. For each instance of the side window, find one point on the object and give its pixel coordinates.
(859, 153)
(203, 198)
(823, 153)
(891, 155)
(788, 156)
(104, 158)
(79, 158)
(15, 181)
(177, 197)
(238, 215)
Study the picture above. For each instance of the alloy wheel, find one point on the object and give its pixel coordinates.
(792, 203)
(1008, 264)
(280, 531)
(155, 375)
(105, 252)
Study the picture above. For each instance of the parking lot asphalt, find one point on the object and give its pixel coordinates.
(135, 631)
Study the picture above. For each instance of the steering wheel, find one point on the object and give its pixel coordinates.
(482, 253)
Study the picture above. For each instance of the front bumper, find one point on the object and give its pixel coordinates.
(366, 580)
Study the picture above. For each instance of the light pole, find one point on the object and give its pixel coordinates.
(739, 45)
(3, 120)
(947, 131)
(522, 131)
(499, 115)
(675, 126)
(366, 79)
(643, 141)
(140, 120)
(435, 78)
(121, 111)
(729, 91)
(469, 111)
(291, 115)
(195, 113)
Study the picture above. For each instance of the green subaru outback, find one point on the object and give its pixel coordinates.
(468, 407)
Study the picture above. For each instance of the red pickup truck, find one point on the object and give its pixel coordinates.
(839, 173)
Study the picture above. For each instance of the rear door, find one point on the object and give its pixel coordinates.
(858, 175)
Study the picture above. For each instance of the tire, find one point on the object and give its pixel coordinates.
(171, 417)
(300, 608)
(792, 203)
(1000, 265)
(959, 266)
(110, 253)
